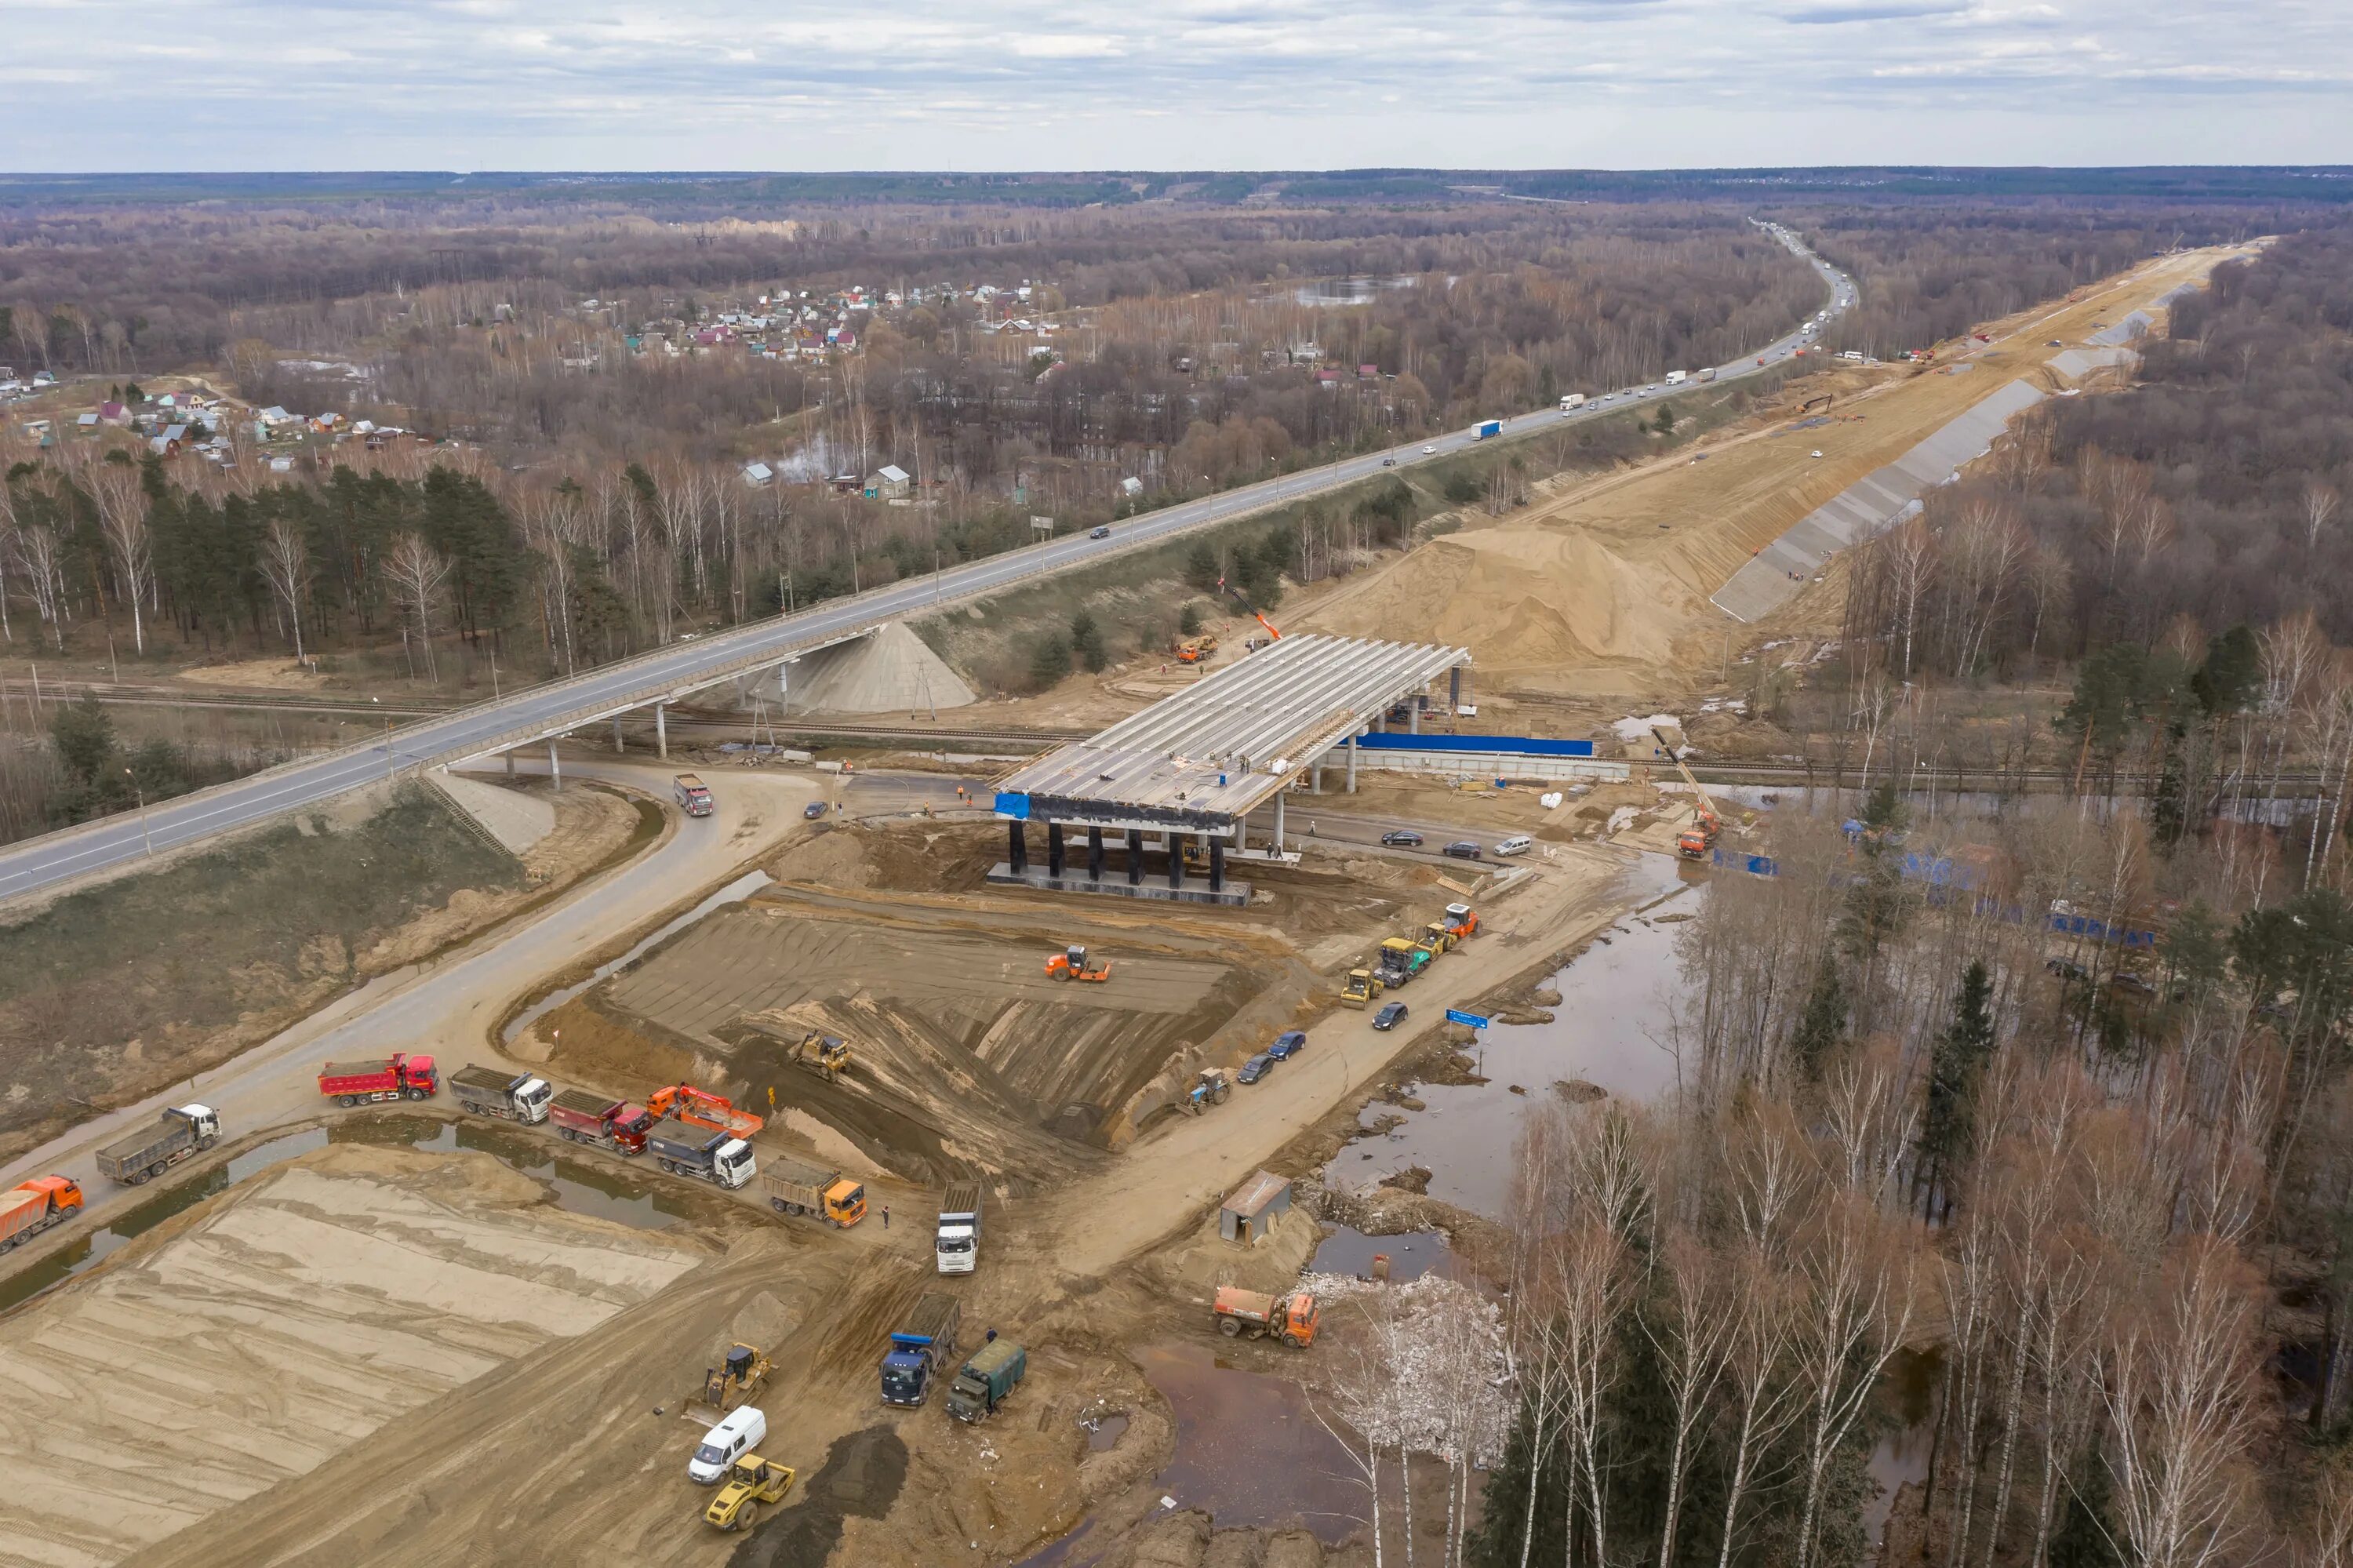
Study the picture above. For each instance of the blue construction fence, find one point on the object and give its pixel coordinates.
(1946, 879)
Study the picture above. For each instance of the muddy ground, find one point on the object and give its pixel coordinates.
(970, 1061)
(116, 990)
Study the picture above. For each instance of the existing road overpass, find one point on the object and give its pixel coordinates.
(669, 674)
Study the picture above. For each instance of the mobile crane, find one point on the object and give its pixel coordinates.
(1272, 631)
(1694, 841)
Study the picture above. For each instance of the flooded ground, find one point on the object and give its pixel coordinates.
(1908, 1393)
(1348, 1251)
(1249, 1451)
(582, 1186)
(1609, 1030)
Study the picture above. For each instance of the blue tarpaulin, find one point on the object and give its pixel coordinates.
(1518, 744)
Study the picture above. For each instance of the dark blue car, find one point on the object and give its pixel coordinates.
(1257, 1067)
(1287, 1044)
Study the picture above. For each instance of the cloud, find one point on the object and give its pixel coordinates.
(1188, 83)
(1828, 16)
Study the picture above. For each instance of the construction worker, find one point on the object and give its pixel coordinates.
(886, 1216)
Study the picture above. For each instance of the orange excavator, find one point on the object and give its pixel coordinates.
(1694, 841)
(704, 1108)
(1070, 964)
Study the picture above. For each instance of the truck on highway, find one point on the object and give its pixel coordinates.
(919, 1350)
(1571, 401)
(581, 1117)
(694, 795)
(399, 1077)
(1487, 428)
(177, 1134)
(1708, 375)
(494, 1091)
(34, 1206)
(981, 1383)
(1676, 377)
(794, 1187)
(684, 1149)
(956, 1245)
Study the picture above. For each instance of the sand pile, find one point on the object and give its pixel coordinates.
(1514, 597)
(893, 670)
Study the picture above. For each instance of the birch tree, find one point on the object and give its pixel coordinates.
(415, 573)
(286, 566)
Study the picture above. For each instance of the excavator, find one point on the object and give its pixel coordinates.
(1694, 841)
(1070, 964)
(821, 1053)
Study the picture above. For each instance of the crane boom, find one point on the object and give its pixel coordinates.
(1706, 823)
(1262, 621)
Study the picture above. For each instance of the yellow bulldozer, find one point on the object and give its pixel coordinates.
(736, 1378)
(822, 1052)
(750, 1482)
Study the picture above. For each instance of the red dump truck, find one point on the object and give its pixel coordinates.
(35, 1205)
(399, 1076)
(581, 1117)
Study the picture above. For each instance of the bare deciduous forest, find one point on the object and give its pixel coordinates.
(2022, 1125)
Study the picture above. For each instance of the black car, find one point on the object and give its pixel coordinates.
(1401, 838)
(1463, 849)
(2067, 969)
(1103, 532)
(814, 810)
(1257, 1067)
(1389, 1016)
(1287, 1044)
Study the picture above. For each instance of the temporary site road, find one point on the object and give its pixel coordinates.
(552, 709)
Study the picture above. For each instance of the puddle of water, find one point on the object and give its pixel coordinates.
(1058, 1555)
(579, 1186)
(1909, 1393)
(1348, 1251)
(1102, 1434)
(1603, 1032)
(137, 1220)
(735, 891)
(1248, 1451)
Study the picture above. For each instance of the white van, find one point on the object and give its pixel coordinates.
(744, 1429)
(1518, 845)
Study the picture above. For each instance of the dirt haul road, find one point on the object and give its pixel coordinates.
(447, 1006)
(1603, 588)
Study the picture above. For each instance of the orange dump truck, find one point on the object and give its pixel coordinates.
(35, 1205)
(1292, 1319)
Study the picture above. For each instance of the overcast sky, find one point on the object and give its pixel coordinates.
(1237, 84)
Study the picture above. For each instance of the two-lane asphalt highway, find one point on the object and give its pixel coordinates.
(44, 861)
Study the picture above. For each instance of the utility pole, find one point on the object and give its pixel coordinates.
(141, 796)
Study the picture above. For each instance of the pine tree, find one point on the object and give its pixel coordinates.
(1955, 1066)
(1821, 1024)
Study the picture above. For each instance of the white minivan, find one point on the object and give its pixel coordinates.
(744, 1429)
(1517, 844)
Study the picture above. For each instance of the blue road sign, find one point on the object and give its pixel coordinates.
(1456, 1015)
